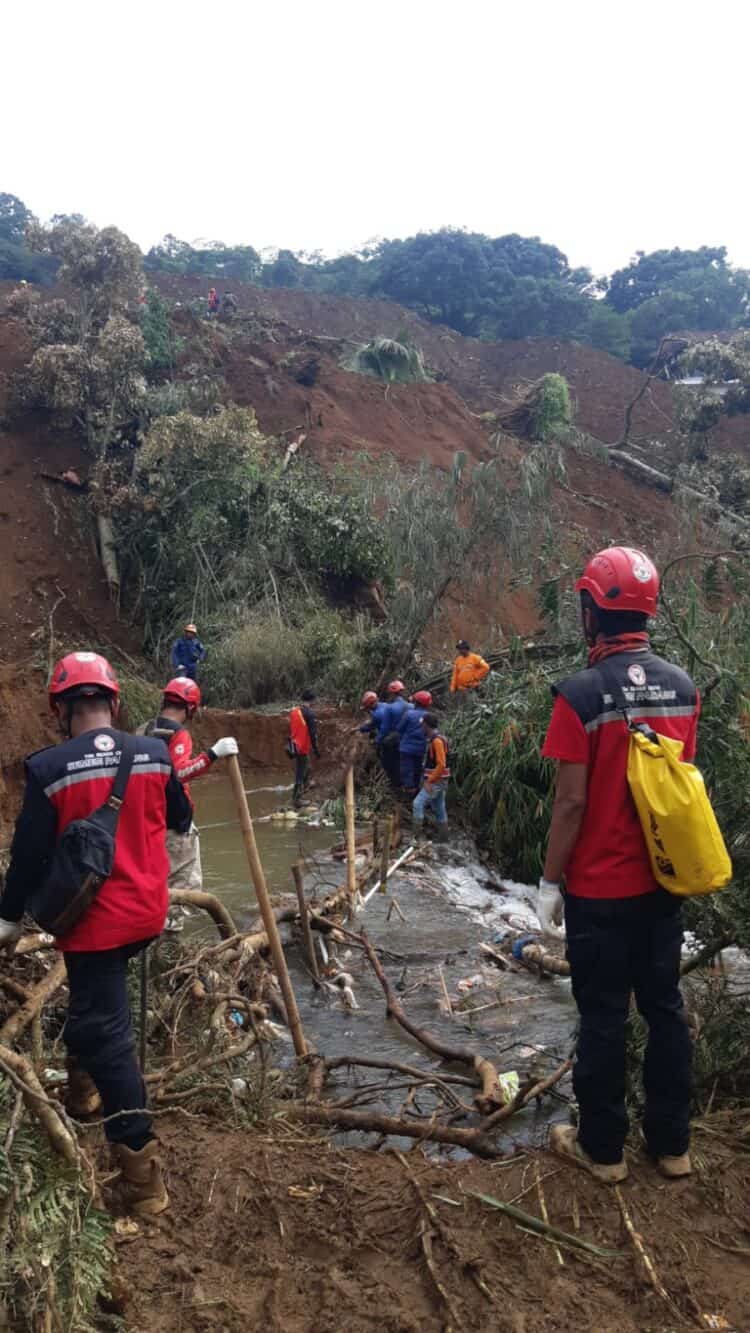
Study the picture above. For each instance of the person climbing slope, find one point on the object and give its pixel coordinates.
(66, 783)
(303, 740)
(413, 742)
(213, 302)
(434, 779)
(188, 652)
(180, 700)
(469, 669)
(624, 932)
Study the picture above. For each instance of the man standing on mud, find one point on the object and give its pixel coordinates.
(624, 933)
(303, 739)
(67, 783)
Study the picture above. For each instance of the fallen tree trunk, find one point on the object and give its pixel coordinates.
(209, 903)
(37, 998)
(366, 1122)
(491, 1094)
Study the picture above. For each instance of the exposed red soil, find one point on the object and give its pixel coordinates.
(262, 736)
(289, 1234)
(481, 372)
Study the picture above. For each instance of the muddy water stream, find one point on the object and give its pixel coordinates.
(449, 909)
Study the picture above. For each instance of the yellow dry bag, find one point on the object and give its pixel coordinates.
(687, 852)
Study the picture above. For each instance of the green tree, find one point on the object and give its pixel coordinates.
(16, 259)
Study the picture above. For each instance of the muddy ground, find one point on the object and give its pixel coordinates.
(286, 1232)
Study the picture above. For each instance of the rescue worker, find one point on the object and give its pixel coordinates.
(187, 652)
(303, 740)
(228, 306)
(434, 779)
(413, 742)
(213, 302)
(67, 782)
(180, 700)
(623, 932)
(380, 727)
(469, 669)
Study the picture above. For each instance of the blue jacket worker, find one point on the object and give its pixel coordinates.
(413, 741)
(187, 652)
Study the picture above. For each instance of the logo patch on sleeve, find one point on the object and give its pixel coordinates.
(179, 749)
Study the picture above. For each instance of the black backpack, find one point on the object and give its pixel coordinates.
(83, 858)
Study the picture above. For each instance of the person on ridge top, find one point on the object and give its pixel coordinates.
(413, 742)
(180, 700)
(469, 669)
(303, 739)
(187, 652)
(624, 932)
(67, 782)
(434, 779)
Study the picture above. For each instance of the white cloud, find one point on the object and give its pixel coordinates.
(601, 127)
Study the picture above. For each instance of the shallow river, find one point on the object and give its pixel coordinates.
(449, 910)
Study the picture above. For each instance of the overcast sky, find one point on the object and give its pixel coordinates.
(599, 125)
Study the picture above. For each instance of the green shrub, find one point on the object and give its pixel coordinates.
(156, 327)
(390, 360)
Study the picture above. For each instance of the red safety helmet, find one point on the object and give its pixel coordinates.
(396, 687)
(621, 578)
(423, 698)
(369, 699)
(183, 690)
(80, 674)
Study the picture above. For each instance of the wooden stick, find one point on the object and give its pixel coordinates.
(21, 1074)
(545, 1214)
(304, 917)
(446, 996)
(385, 854)
(490, 1094)
(264, 903)
(38, 997)
(638, 1246)
(351, 852)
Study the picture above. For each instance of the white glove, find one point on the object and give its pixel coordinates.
(223, 748)
(10, 934)
(550, 908)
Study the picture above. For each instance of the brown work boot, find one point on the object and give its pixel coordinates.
(82, 1097)
(564, 1140)
(143, 1187)
(674, 1168)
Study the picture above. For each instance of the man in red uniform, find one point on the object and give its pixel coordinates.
(67, 782)
(181, 698)
(623, 932)
(303, 739)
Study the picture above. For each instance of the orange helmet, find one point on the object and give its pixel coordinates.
(190, 628)
(369, 699)
(184, 691)
(78, 675)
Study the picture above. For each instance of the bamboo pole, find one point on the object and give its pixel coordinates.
(304, 917)
(264, 903)
(385, 854)
(351, 852)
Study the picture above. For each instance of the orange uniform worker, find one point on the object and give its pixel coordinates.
(469, 669)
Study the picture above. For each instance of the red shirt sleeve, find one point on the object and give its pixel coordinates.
(566, 737)
(181, 754)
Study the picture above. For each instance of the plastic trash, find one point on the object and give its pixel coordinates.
(520, 944)
(237, 1018)
(510, 1085)
(469, 983)
(239, 1087)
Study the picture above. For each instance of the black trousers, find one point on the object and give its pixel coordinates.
(99, 1037)
(391, 762)
(301, 776)
(618, 947)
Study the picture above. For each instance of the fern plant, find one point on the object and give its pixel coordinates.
(55, 1244)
